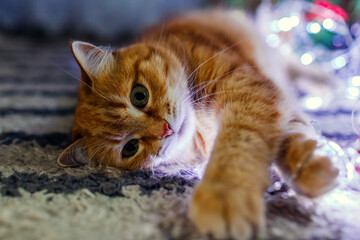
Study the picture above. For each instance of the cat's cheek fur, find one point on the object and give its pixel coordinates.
(182, 141)
(178, 148)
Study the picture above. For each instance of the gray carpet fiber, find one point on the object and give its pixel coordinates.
(39, 200)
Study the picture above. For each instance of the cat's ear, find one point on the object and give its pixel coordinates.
(91, 59)
(73, 156)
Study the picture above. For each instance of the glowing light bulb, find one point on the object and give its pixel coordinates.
(328, 24)
(294, 20)
(338, 62)
(284, 24)
(287, 23)
(353, 92)
(307, 58)
(274, 26)
(273, 40)
(313, 27)
(313, 103)
(350, 171)
(355, 81)
(337, 148)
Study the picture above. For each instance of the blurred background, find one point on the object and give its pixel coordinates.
(316, 34)
(109, 19)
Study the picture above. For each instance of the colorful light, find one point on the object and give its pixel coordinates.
(339, 41)
(294, 20)
(350, 170)
(307, 58)
(355, 81)
(320, 34)
(274, 26)
(313, 27)
(313, 103)
(273, 40)
(284, 24)
(328, 24)
(287, 23)
(338, 62)
(353, 92)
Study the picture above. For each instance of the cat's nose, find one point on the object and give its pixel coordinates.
(167, 131)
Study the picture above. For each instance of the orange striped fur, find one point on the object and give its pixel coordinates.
(207, 83)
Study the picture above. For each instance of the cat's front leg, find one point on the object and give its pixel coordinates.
(228, 202)
(224, 210)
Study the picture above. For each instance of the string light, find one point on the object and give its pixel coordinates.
(353, 92)
(313, 103)
(273, 40)
(284, 24)
(313, 27)
(319, 34)
(274, 26)
(328, 24)
(307, 58)
(294, 20)
(287, 23)
(355, 81)
(338, 62)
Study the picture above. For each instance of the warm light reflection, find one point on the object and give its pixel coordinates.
(273, 40)
(355, 81)
(338, 62)
(313, 27)
(328, 24)
(313, 103)
(353, 92)
(287, 23)
(350, 171)
(307, 58)
(294, 20)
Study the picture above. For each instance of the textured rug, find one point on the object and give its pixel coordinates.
(39, 200)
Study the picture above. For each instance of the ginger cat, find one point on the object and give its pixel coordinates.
(198, 86)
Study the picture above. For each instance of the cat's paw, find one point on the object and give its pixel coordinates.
(311, 175)
(224, 211)
(317, 177)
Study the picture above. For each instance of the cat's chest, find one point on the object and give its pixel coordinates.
(207, 125)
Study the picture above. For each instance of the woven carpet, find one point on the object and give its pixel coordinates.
(39, 200)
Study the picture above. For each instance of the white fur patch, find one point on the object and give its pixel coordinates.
(177, 150)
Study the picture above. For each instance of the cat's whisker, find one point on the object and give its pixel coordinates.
(205, 107)
(175, 159)
(184, 168)
(214, 56)
(161, 34)
(100, 147)
(216, 93)
(205, 84)
(103, 155)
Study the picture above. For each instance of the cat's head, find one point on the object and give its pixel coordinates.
(134, 107)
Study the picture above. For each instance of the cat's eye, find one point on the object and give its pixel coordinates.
(139, 96)
(130, 148)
